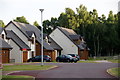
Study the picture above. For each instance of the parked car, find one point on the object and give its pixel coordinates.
(66, 58)
(46, 58)
(75, 56)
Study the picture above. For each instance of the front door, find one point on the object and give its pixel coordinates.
(25, 56)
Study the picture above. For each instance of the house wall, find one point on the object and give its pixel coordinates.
(62, 40)
(15, 53)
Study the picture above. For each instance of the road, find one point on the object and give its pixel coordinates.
(72, 70)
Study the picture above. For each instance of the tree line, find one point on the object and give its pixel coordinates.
(101, 33)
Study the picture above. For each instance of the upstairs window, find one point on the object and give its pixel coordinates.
(32, 40)
(3, 36)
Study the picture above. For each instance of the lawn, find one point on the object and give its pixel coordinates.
(114, 71)
(15, 77)
(113, 59)
(26, 67)
(11, 68)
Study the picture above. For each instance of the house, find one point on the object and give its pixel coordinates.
(28, 43)
(4, 49)
(70, 42)
(20, 49)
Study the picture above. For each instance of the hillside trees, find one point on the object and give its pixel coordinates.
(21, 19)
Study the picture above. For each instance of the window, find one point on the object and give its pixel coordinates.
(3, 36)
(32, 40)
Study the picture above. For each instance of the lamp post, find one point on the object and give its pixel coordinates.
(41, 37)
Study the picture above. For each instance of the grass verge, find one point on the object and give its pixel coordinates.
(114, 61)
(26, 67)
(11, 68)
(17, 77)
(114, 71)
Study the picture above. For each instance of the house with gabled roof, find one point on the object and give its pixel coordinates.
(70, 42)
(4, 49)
(17, 54)
(30, 36)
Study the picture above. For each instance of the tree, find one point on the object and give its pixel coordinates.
(2, 23)
(82, 19)
(46, 27)
(36, 24)
(54, 23)
(21, 19)
(63, 20)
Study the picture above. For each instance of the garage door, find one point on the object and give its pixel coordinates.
(5, 56)
(25, 56)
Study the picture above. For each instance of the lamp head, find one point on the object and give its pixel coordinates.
(41, 10)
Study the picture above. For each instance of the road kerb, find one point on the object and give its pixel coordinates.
(110, 73)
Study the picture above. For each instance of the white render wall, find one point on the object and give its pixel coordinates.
(15, 53)
(62, 40)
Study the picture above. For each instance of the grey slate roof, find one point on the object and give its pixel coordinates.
(27, 29)
(47, 46)
(83, 46)
(29, 33)
(75, 37)
(4, 44)
(1, 29)
(16, 39)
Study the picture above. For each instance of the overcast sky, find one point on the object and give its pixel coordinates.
(10, 9)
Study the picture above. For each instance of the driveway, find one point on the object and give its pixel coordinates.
(72, 70)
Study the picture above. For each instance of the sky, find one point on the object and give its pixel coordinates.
(10, 9)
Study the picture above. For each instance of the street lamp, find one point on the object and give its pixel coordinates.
(41, 37)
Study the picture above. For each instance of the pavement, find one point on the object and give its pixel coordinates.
(71, 70)
(103, 61)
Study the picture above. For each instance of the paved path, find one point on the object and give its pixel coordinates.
(72, 70)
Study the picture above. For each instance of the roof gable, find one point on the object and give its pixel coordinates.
(53, 44)
(67, 33)
(73, 36)
(17, 40)
(28, 29)
(4, 44)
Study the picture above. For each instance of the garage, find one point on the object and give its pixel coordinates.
(4, 51)
(5, 56)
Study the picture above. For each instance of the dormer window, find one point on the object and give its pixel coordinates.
(3, 36)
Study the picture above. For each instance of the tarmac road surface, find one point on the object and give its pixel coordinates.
(72, 70)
